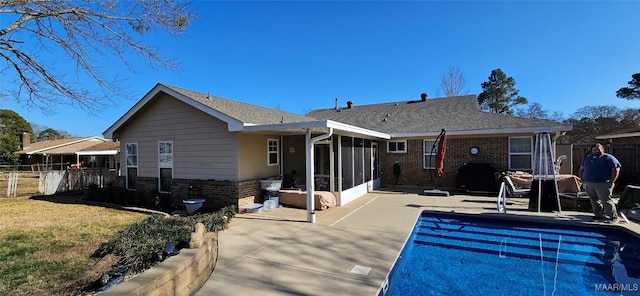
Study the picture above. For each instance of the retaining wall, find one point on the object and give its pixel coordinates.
(182, 274)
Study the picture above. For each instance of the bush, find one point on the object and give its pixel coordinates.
(214, 221)
(141, 245)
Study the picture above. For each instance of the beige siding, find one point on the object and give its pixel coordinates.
(202, 147)
(252, 162)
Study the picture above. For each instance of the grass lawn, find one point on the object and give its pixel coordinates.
(49, 241)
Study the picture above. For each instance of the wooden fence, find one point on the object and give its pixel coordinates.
(28, 183)
(627, 154)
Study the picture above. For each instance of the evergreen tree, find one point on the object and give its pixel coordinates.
(633, 91)
(12, 125)
(499, 94)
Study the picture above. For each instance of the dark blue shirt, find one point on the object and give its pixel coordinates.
(598, 169)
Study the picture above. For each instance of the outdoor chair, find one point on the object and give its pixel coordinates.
(509, 189)
(629, 201)
(559, 163)
(514, 190)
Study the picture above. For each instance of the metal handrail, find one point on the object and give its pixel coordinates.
(502, 198)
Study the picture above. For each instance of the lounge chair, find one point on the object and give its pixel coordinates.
(629, 201)
(509, 189)
(514, 190)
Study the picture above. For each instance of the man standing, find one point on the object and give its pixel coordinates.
(599, 172)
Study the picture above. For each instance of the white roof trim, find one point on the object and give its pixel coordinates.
(548, 129)
(616, 136)
(315, 124)
(232, 123)
(98, 152)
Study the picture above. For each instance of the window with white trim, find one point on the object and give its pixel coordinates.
(132, 165)
(397, 146)
(429, 154)
(273, 157)
(520, 153)
(165, 165)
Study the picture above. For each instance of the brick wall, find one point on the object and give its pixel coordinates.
(218, 194)
(492, 151)
(146, 184)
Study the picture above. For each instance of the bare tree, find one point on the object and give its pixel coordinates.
(453, 82)
(591, 121)
(534, 110)
(86, 31)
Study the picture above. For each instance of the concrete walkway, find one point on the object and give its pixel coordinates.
(349, 251)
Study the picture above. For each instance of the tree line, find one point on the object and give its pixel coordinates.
(499, 95)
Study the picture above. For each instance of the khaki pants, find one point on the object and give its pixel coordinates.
(600, 197)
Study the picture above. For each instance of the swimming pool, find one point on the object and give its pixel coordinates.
(452, 254)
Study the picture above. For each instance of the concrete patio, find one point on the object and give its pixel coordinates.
(349, 250)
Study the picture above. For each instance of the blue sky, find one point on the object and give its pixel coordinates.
(301, 55)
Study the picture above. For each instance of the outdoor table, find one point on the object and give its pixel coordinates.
(566, 183)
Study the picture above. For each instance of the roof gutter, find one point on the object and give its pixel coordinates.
(98, 152)
(616, 136)
(548, 129)
(336, 126)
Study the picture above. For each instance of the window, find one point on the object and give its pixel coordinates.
(132, 165)
(520, 153)
(272, 152)
(397, 146)
(165, 165)
(429, 154)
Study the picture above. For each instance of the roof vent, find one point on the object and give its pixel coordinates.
(423, 96)
(349, 104)
(208, 95)
(336, 104)
(385, 119)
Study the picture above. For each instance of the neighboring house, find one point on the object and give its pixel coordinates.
(626, 136)
(91, 152)
(625, 146)
(174, 140)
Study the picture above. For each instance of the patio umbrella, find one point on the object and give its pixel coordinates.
(441, 141)
(442, 150)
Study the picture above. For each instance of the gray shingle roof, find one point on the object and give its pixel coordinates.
(460, 113)
(244, 112)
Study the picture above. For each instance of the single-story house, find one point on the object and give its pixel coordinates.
(176, 140)
(625, 146)
(59, 154)
(625, 136)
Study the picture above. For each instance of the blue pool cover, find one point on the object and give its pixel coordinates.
(450, 254)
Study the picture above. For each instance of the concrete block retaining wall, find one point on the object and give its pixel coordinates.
(183, 274)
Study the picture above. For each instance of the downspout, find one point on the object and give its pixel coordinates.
(311, 212)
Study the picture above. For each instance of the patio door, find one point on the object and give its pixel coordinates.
(375, 164)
